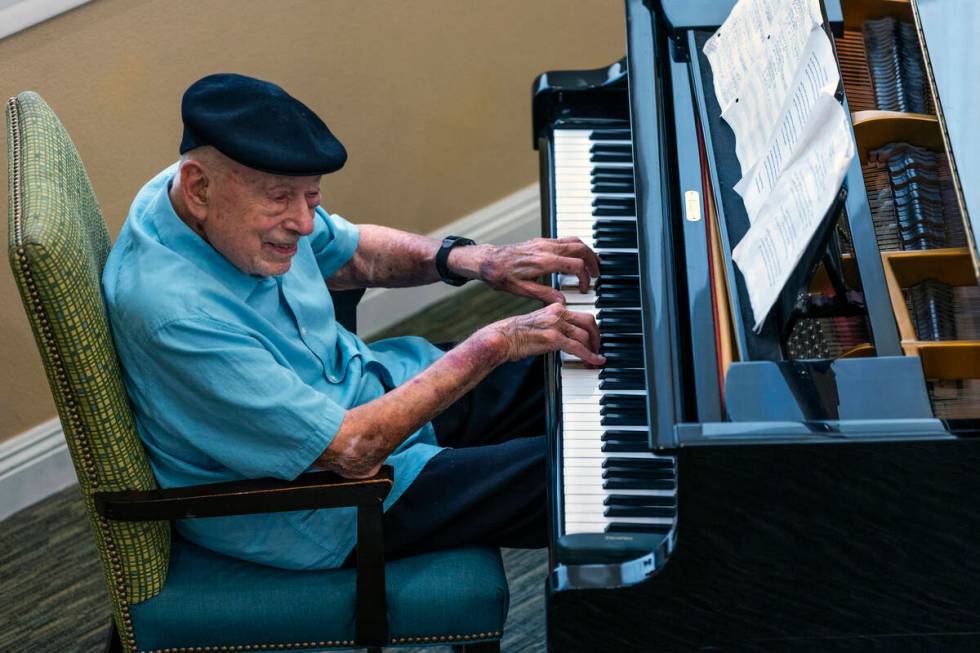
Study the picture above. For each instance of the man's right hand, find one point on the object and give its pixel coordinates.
(552, 328)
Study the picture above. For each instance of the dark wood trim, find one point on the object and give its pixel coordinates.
(262, 495)
(371, 613)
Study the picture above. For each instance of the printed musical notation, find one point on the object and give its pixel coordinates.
(775, 77)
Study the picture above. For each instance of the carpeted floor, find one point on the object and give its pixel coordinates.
(51, 590)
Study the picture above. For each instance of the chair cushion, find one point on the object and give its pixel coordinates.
(213, 600)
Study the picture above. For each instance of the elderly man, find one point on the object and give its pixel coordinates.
(237, 368)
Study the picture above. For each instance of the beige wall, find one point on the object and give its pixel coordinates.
(431, 98)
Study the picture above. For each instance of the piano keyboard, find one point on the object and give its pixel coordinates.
(610, 480)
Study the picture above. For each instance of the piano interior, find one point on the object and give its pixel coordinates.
(717, 487)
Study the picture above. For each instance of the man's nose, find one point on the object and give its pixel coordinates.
(301, 221)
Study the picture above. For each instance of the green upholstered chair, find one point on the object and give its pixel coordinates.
(166, 594)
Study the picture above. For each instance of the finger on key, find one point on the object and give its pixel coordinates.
(575, 266)
(576, 348)
(573, 246)
(588, 323)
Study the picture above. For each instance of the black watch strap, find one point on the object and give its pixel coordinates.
(442, 259)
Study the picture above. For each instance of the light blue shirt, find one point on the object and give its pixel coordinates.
(234, 376)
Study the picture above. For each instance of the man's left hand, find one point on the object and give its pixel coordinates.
(517, 268)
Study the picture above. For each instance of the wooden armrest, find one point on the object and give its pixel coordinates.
(261, 495)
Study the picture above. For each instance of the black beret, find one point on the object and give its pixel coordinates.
(259, 125)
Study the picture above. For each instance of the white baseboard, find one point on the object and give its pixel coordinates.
(17, 15)
(33, 465)
(512, 219)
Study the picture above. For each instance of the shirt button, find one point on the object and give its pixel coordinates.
(332, 378)
(303, 331)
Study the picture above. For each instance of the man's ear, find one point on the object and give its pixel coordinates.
(195, 186)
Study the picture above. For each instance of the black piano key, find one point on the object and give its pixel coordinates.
(615, 242)
(613, 223)
(611, 158)
(636, 473)
(614, 212)
(626, 512)
(619, 381)
(614, 355)
(624, 411)
(616, 268)
(623, 360)
(626, 279)
(612, 173)
(611, 144)
(632, 296)
(626, 527)
(614, 398)
(614, 232)
(604, 134)
(623, 419)
(638, 500)
(613, 313)
(622, 259)
(633, 339)
(605, 186)
(624, 407)
(624, 436)
(617, 298)
(660, 465)
(619, 325)
(617, 302)
(614, 228)
(613, 372)
(638, 484)
(625, 351)
(619, 287)
(614, 201)
(622, 374)
(619, 400)
(625, 447)
(630, 402)
(621, 384)
(616, 326)
(611, 148)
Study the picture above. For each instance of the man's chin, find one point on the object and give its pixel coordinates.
(277, 269)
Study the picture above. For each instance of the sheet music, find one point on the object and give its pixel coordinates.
(736, 49)
(805, 191)
(816, 76)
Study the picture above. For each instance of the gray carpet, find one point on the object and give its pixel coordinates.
(51, 589)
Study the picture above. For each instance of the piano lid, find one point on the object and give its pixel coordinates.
(948, 29)
(698, 14)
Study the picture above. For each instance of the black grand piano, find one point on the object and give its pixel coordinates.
(806, 487)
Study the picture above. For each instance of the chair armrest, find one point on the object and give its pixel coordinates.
(261, 495)
(264, 495)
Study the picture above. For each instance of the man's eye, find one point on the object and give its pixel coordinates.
(280, 198)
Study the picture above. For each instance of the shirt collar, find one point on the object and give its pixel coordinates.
(177, 236)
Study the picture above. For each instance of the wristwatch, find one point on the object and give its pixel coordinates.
(442, 259)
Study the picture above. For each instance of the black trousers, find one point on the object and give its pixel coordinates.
(489, 486)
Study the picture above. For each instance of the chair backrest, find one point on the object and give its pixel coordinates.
(58, 244)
